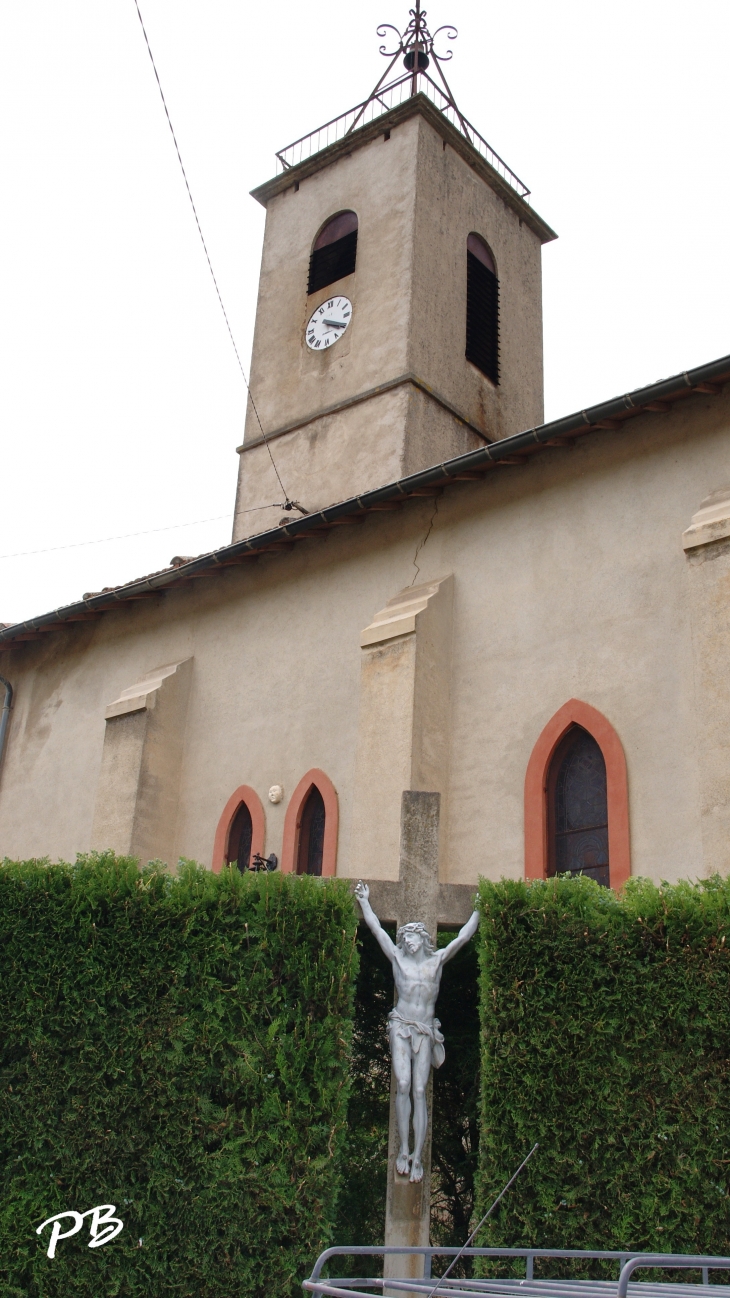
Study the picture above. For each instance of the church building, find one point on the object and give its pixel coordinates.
(428, 589)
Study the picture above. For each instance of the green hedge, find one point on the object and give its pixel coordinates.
(178, 1047)
(606, 1037)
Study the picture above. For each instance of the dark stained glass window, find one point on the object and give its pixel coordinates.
(239, 839)
(482, 308)
(334, 253)
(578, 807)
(311, 835)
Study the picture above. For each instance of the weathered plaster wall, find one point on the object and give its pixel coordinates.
(452, 202)
(416, 203)
(570, 580)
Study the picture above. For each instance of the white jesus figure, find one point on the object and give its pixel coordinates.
(415, 1040)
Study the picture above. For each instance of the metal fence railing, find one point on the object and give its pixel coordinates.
(382, 101)
(425, 1284)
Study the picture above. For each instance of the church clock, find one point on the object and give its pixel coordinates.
(328, 323)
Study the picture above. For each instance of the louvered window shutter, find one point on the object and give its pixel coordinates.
(482, 317)
(333, 262)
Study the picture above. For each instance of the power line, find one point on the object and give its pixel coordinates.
(288, 503)
(126, 536)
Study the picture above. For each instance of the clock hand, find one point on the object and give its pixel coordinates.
(334, 324)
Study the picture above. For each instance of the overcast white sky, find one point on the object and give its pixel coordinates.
(121, 403)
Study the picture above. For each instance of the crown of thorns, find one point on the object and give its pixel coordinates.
(416, 927)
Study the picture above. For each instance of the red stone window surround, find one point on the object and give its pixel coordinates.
(293, 822)
(243, 794)
(576, 713)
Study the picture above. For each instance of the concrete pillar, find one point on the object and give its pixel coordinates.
(404, 723)
(139, 782)
(707, 546)
(408, 1207)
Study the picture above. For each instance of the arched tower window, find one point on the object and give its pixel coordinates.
(482, 308)
(334, 252)
(240, 839)
(311, 834)
(578, 808)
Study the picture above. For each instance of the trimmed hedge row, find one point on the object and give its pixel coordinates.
(606, 1037)
(177, 1047)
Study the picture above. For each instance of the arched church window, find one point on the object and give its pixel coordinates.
(240, 839)
(240, 831)
(334, 252)
(578, 808)
(311, 834)
(482, 308)
(309, 844)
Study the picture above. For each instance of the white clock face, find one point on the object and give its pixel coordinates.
(328, 323)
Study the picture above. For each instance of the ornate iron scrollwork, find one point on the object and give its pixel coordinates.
(417, 38)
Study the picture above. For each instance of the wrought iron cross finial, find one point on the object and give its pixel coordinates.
(416, 43)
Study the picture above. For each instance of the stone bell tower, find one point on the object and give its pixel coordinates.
(399, 317)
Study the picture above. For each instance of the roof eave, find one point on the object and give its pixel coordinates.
(608, 415)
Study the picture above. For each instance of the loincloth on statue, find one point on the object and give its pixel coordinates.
(411, 1030)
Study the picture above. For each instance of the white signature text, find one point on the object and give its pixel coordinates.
(104, 1226)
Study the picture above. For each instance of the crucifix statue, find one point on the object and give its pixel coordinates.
(416, 1042)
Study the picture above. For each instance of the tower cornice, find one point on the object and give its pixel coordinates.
(421, 105)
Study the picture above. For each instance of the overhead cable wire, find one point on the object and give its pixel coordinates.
(289, 503)
(126, 536)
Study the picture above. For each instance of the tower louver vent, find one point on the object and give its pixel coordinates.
(333, 262)
(482, 317)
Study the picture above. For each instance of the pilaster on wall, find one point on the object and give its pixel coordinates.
(139, 782)
(403, 734)
(707, 547)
